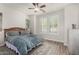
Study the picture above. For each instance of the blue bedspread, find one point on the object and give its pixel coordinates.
(24, 43)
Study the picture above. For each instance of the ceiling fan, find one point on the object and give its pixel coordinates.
(37, 7)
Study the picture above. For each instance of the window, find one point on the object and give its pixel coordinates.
(50, 23)
(44, 25)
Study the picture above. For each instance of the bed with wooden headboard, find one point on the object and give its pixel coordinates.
(18, 29)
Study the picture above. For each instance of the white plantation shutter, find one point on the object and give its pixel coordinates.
(50, 22)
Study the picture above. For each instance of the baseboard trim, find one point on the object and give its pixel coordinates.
(54, 40)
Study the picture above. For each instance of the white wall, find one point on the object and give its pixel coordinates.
(13, 16)
(71, 14)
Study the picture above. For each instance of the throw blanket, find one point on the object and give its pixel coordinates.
(24, 43)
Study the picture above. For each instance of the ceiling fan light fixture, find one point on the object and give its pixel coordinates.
(36, 9)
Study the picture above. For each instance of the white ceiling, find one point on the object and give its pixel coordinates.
(50, 7)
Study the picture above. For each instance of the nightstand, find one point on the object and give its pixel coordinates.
(2, 38)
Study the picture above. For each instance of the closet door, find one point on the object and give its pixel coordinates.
(0, 21)
(1, 32)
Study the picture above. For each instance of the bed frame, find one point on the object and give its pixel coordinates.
(7, 43)
(10, 45)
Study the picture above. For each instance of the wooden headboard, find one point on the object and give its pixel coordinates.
(13, 29)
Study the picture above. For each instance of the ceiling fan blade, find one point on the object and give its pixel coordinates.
(34, 4)
(42, 10)
(42, 6)
(30, 8)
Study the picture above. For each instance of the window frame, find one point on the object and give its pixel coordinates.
(48, 25)
(60, 14)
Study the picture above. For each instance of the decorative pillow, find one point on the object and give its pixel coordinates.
(24, 33)
(13, 33)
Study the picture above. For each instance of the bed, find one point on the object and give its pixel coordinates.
(19, 40)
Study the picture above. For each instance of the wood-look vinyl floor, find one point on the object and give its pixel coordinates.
(50, 48)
